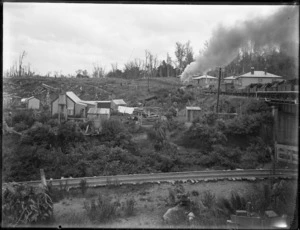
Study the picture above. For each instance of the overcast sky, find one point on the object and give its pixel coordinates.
(67, 37)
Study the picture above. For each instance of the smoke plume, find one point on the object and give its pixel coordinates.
(223, 47)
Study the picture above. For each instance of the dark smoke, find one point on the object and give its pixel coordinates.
(281, 27)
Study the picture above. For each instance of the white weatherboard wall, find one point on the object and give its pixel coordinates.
(245, 81)
(33, 103)
(54, 107)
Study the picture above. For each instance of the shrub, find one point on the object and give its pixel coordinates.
(225, 206)
(129, 207)
(248, 124)
(26, 116)
(69, 132)
(249, 160)
(260, 150)
(158, 134)
(101, 210)
(256, 106)
(19, 127)
(203, 136)
(171, 113)
(83, 186)
(44, 117)
(23, 204)
(60, 193)
(39, 134)
(53, 123)
(225, 156)
(111, 129)
(195, 193)
(172, 197)
(208, 199)
(237, 202)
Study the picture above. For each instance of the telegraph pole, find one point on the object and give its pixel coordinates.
(220, 71)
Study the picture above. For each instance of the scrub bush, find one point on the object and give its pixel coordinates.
(101, 210)
(24, 205)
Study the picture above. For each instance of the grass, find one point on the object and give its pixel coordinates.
(129, 208)
(100, 210)
(149, 204)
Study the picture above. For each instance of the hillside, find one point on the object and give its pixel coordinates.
(91, 89)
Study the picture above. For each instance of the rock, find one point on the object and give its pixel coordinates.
(174, 215)
(252, 178)
(191, 216)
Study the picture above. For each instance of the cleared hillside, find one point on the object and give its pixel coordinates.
(92, 89)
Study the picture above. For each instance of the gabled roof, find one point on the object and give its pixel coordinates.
(89, 102)
(98, 111)
(230, 78)
(73, 96)
(260, 74)
(119, 102)
(204, 76)
(27, 99)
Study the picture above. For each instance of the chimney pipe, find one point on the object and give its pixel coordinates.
(265, 71)
(252, 70)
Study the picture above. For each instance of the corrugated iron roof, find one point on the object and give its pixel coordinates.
(230, 78)
(73, 96)
(260, 74)
(119, 102)
(124, 109)
(193, 108)
(204, 76)
(98, 111)
(27, 99)
(89, 102)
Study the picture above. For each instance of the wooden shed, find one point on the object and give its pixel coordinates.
(192, 113)
(31, 102)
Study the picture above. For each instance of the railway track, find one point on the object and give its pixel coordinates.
(192, 176)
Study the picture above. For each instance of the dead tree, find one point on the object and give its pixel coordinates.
(21, 57)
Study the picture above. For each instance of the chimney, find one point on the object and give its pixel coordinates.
(252, 70)
(265, 71)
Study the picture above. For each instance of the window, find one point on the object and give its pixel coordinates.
(260, 80)
(71, 111)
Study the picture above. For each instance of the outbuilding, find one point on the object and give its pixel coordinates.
(99, 113)
(68, 104)
(192, 112)
(116, 103)
(31, 102)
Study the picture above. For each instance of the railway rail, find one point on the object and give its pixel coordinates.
(192, 176)
(286, 97)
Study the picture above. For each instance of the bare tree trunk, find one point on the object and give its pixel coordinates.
(20, 62)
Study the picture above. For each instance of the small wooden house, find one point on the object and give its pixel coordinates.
(31, 102)
(192, 113)
(69, 105)
(116, 103)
